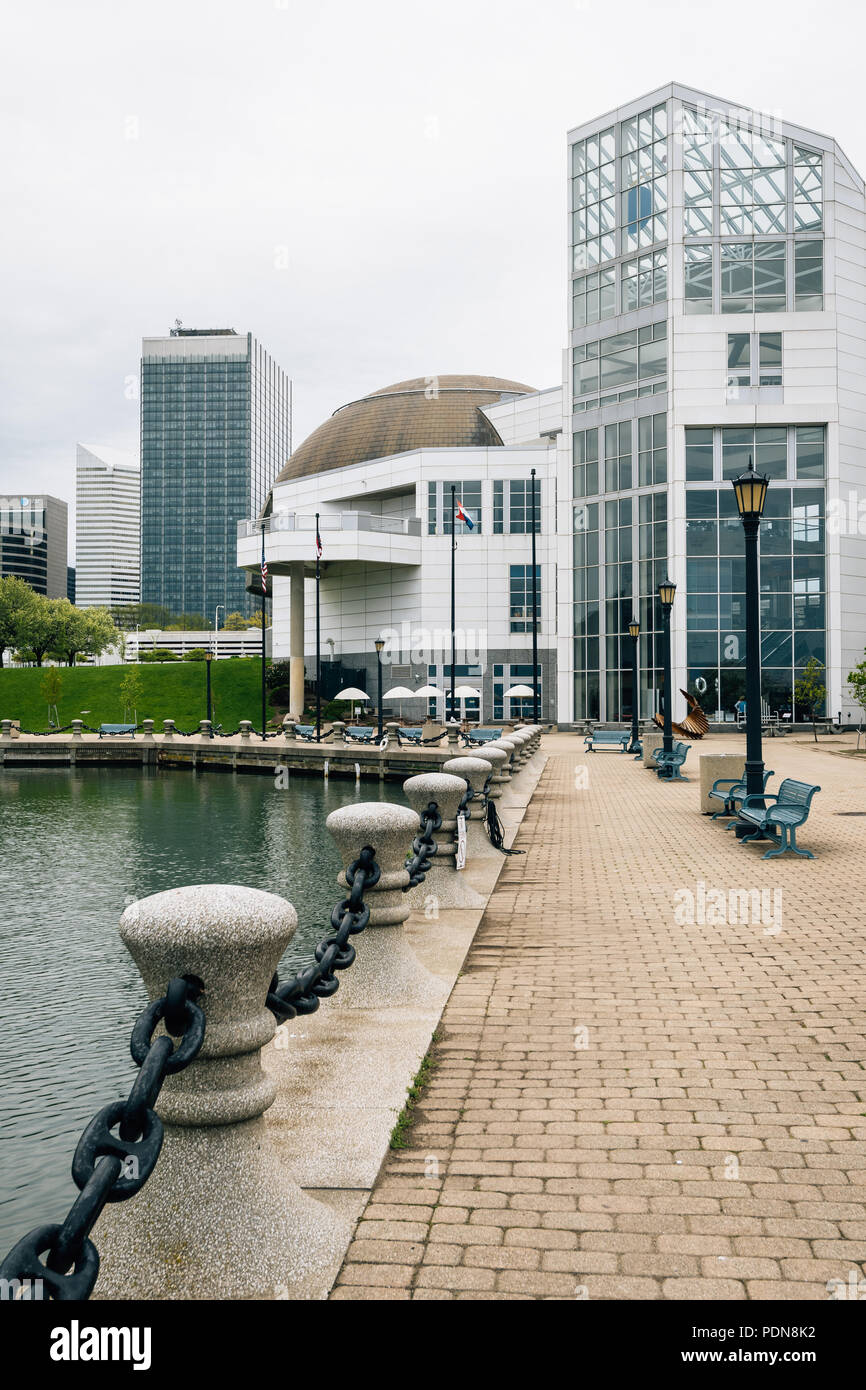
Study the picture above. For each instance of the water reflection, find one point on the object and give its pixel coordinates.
(75, 847)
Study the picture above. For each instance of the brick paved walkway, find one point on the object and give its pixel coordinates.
(631, 1106)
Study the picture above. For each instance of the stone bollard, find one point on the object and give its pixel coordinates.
(649, 742)
(219, 1217)
(392, 729)
(290, 734)
(443, 886)
(245, 728)
(712, 766)
(168, 728)
(77, 726)
(6, 730)
(522, 738)
(338, 730)
(147, 727)
(476, 772)
(205, 729)
(452, 731)
(386, 973)
(509, 794)
(497, 757)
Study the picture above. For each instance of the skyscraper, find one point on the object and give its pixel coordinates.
(107, 540)
(33, 533)
(215, 430)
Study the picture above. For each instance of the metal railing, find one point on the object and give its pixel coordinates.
(281, 522)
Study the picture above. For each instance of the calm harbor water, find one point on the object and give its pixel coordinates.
(75, 848)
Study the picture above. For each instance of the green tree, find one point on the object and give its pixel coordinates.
(16, 598)
(44, 623)
(196, 654)
(857, 684)
(132, 692)
(809, 690)
(255, 620)
(51, 688)
(235, 622)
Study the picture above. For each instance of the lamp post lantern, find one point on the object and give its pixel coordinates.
(634, 633)
(750, 490)
(666, 591)
(379, 644)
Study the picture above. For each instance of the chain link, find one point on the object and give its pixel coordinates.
(108, 1167)
(302, 993)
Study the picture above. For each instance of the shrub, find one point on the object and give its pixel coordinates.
(197, 654)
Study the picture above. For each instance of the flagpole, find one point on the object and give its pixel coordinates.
(264, 684)
(318, 639)
(534, 612)
(453, 597)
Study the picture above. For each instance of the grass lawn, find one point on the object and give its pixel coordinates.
(172, 690)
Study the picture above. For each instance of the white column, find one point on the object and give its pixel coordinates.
(296, 646)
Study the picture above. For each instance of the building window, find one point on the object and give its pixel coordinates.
(439, 516)
(754, 359)
(586, 609)
(630, 360)
(697, 135)
(753, 182)
(644, 280)
(514, 706)
(809, 274)
(593, 170)
(643, 174)
(585, 454)
(699, 279)
(792, 595)
(652, 450)
(781, 451)
(753, 277)
(520, 586)
(809, 451)
(512, 507)
(594, 297)
(617, 457)
(808, 191)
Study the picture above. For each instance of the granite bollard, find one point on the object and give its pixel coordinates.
(78, 725)
(443, 885)
(147, 727)
(168, 729)
(477, 773)
(219, 1217)
(386, 972)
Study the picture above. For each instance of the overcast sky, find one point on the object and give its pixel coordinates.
(374, 188)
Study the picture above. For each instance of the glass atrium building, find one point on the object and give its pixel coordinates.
(215, 431)
(717, 281)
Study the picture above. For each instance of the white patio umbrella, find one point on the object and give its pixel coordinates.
(520, 690)
(401, 693)
(464, 693)
(429, 691)
(351, 693)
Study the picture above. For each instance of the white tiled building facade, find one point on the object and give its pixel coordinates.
(716, 291)
(108, 515)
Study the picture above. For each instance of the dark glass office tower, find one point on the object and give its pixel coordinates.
(216, 418)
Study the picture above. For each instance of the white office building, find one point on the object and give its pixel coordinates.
(108, 511)
(716, 313)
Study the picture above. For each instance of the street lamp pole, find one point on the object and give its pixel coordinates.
(216, 623)
(379, 644)
(535, 708)
(207, 661)
(634, 633)
(750, 490)
(666, 591)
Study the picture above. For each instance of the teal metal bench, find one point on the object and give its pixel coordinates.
(668, 764)
(736, 791)
(779, 822)
(607, 738)
(483, 735)
(117, 729)
(359, 733)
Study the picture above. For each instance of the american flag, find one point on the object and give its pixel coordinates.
(264, 575)
(318, 541)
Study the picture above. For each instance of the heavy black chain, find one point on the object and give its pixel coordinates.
(423, 846)
(302, 993)
(108, 1167)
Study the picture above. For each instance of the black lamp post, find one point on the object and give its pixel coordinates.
(379, 644)
(634, 633)
(207, 661)
(750, 490)
(666, 590)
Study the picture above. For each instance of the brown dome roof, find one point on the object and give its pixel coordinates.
(399, 418)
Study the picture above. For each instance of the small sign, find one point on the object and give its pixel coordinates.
(460, 862)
